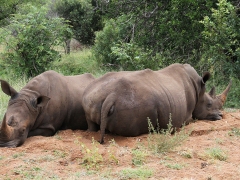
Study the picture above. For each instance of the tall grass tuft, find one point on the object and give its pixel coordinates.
(164, 140)
(91, 156)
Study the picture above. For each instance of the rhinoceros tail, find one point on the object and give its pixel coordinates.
(107, 110)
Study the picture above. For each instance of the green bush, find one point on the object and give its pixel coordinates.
(114, 31)
(104, 41)
(221, 46)
(220, 50)
(30, 39)
(82, 18)
(129, 56)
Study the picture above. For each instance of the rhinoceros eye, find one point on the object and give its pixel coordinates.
(12, 122)
(209, 104)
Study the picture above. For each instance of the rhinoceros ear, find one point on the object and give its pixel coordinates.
(40, 101)
(205, 77)
(7, 89)
(212, 92)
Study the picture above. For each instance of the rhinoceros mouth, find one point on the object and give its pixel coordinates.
(215, 117)
(9, 144)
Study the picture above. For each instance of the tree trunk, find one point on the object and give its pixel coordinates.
(67, 47)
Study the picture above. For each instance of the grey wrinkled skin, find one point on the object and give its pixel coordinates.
(121, 102)
(48, 103)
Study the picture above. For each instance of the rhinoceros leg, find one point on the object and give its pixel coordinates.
(41, 132)
(92, 126)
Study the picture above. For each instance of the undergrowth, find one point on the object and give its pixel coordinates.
(215, 153)
(91, 156)
(139, 155)
(139, 173)
(164, 140)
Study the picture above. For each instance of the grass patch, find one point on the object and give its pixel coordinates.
(171, 165)
(138, 156)
(91, 156)
(17, 155)
(81, 174)
(35, 173)
(78, 63)
(216, 153)
(59, 153)
(174, 166)
(57, 136)
(186, 153)
(140, 173)
(234, 132)
(111, 154)
(230, 110)
(162, 141)
(46, 158)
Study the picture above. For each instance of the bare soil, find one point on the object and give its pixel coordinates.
(74, 155)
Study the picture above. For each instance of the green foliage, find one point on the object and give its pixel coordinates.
(221, 47)
(105, 39)
(9, 7)
(131, 57)
(169, 28)
(82, 18)
(30, 39)
(163, 140)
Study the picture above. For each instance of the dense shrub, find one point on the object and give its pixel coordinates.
(130, 56)
(105, 39)
(30, 39)
(82, 18)
(221, 45)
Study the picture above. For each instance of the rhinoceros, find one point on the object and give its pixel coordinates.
(121, 102)
(47, 103)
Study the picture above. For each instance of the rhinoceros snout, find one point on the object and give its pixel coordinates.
(214, 116)
(220, 116)
(217, 116)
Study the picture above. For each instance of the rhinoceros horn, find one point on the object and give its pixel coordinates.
(223, 95)
(4, 129)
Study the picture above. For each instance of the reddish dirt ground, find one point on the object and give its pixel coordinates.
(68, 154)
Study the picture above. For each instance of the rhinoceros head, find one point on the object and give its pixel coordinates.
(22, 112)
(209, 105)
